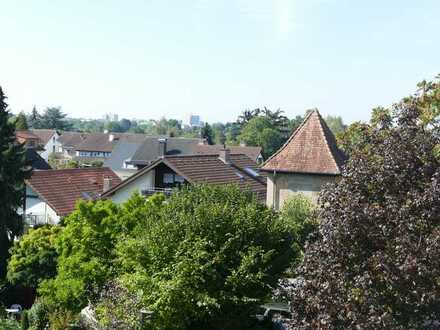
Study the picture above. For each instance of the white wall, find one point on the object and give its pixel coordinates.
(52, 145)
(145, 181)
(36, 206)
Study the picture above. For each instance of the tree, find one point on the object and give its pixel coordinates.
(259, 131)
(54, 118)
(21, 122)
(86, 251)
(34, 119)
(125, 124)
(375, 263)
(206, 258)
(336, 124)
(207, 134)
(34, 257)
(13, 171)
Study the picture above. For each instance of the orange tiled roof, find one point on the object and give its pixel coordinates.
(311, 149)
(62, 188)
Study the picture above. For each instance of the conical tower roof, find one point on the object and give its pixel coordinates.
(311, 149)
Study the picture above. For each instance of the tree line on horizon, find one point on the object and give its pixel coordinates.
(268, 129)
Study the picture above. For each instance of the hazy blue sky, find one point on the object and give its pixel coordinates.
(148, 59)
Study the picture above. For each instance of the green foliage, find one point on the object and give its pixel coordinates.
(205, 257)
(85, 248)
(21, 122)
(39, 315)
(207, 134)
(259, 131)
(336, 124)
(24, 322)
(117, 308)
(13, 171)
(54, 118)
(34, 257)
(298, 213)
(34, 119)
(375, 263)
(8, 324)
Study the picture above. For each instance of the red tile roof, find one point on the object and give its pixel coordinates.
(311, 149)
(44, 134)
(62, 188)
(25, 135)
(208, 169)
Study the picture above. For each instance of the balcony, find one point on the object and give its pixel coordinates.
(33, 220)
(151, 191)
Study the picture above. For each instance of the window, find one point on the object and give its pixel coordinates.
(168, 178)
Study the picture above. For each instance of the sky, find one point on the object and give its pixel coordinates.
(216, 58)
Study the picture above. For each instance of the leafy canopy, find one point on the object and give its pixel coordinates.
(34, 257)
(206, 257)
(375, 264)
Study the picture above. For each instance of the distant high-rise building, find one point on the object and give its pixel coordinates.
(194, 121)
(111, 117)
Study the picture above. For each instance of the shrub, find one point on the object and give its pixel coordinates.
(206, 258)
(24, 320)
(33, 257)
(38, 315)
(7, 324)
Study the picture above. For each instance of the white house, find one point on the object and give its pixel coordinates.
(52, 194)
(49, 141)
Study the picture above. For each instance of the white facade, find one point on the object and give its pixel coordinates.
(38, 211)
(53, 145)
(143, 182)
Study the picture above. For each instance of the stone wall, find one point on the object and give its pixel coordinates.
(281, 186)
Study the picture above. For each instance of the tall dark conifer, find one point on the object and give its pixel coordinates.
(13, 171)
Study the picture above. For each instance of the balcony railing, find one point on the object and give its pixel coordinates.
(151, 191)
(36, 220)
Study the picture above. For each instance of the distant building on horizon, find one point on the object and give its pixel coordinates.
(194, 121)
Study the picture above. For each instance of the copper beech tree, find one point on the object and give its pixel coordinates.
(375, 263)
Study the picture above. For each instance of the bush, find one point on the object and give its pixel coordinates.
(34, 257)
(7, 324)
(206, 258)
(38, 315)
(24, 320)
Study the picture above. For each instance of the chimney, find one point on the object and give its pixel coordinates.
(162, 146)
(106, 183)
(111, 137)
(224, 155)
(242, 144)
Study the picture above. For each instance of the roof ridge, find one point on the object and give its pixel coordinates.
(291, 137)
(324, 126)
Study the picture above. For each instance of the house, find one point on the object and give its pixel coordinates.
(69, 142)
(307, 161)
(100, 145)
(27, 138)
(169, 171)
(119, 160)
(154, 147)
(52, 194)
(48, 140)
(36, 161)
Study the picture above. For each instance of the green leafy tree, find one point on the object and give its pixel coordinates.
(54, 118)
(13, 171)
(207, 133)
(375, 263)
(125, 124)
(336, 124)
(86, 249)
(21, 122)
(34, 257)
(206, 258)
(259, 131)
